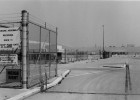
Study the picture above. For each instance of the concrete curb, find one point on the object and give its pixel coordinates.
(37, 90)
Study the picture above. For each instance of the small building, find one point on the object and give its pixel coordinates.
(34, 51)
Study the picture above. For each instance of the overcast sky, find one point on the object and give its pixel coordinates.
(80, 22)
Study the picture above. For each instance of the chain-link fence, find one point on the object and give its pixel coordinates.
(42, 53)
(28, 52)
(73, 55)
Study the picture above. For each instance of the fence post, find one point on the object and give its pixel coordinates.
(28, 66)
(65, 56)
(56, 52)
(49, 53)
(87, 55)
(24, 24)
(76, 55)
(40, 70)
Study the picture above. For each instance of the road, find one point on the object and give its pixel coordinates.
(90, 81)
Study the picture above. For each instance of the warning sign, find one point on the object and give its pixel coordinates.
(8, 59)
(13, 75)
(9, 38)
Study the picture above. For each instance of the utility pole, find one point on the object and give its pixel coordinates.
(103, 53)
(103, 37)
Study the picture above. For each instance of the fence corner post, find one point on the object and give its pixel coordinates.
(24, 24)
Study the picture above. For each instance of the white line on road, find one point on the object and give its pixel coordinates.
(83, 74)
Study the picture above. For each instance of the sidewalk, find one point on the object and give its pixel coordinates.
(7, 93)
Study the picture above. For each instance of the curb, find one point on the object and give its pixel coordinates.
(37, 90)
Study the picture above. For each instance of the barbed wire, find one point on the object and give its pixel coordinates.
(9, 20)
(42, 25)
(16, 17)
(32, 16)
(10, 17)
(9, 14)
(5, 17)
(36, 21)
(48, 24)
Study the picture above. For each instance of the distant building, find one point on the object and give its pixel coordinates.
(130, 45)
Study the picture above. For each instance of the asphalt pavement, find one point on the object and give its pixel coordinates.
(89, 80)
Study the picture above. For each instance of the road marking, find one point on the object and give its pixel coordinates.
(82, 92)
(115, 66)
(83, 74)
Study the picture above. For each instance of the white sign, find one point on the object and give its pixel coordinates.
(11, 59)
(9, 38)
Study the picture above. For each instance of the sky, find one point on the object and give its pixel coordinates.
(80, 22)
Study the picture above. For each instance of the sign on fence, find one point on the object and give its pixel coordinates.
(13, 75)
(9, 38)
(8, 59)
